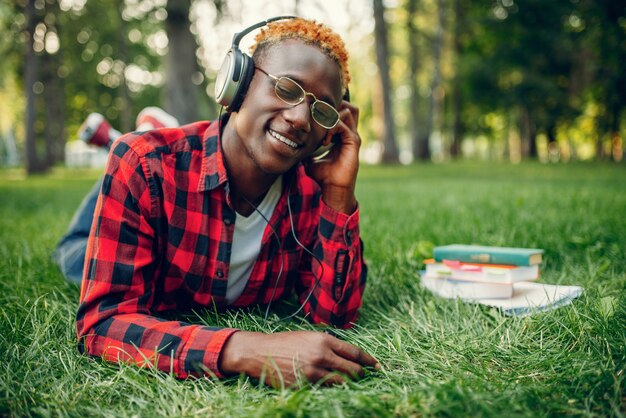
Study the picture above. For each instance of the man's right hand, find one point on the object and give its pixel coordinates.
(280, 357)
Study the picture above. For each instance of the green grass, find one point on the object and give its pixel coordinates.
(439, 358)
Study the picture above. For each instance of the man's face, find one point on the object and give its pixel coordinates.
(275, 136)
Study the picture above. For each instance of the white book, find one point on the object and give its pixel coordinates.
(466, 290)
(527, 298)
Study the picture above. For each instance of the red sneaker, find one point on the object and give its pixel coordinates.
(153, 117)
(97, 131)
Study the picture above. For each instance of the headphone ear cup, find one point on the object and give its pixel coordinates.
(247, 72)
(228, 80)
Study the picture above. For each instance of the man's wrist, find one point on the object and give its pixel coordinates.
(231, 359)
(340, 199)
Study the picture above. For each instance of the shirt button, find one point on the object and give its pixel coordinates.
(219, 274)
(228, 221)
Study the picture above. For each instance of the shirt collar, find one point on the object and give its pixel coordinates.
(213, 172)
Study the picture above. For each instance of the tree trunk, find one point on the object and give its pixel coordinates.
(414, 67)
(599, 145)
(435, 85)
(54, 97)
(126, 115)
(181, 64)
(50, 125)
(390, 148)
(31, 70)
(614, 132)
(533, 143)
(458, 127)
(528, 134)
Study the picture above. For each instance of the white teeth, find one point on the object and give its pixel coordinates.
(282, 139)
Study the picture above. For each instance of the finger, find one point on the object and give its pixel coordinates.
(354, 112)
(355, 354)
(321, 375)
(347, 367)
(347, 117)
(346, 133)
(331, 379)
(350, 123)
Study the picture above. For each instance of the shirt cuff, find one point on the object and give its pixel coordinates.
(339, 227)
(204, 351)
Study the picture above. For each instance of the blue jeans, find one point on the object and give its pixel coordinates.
(70, 251)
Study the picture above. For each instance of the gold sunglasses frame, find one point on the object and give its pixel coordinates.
(304, 95)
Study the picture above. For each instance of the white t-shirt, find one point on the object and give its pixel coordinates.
(247, 241)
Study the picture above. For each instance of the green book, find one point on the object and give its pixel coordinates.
(488, 255)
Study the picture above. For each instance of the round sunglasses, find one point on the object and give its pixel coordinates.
(292, 93)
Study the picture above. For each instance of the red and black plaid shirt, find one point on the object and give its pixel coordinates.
(161, 242)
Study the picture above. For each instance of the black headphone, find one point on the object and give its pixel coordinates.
(235, 74)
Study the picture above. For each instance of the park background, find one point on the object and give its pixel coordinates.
(435, 79)
(496, 122)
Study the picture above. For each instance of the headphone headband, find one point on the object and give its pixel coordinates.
(239, 35)
(235, 74)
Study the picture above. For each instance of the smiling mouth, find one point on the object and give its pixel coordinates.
(284, 140)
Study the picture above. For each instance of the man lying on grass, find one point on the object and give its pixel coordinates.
(230, 214)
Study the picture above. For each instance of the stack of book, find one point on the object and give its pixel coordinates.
(502, 277)
(480, 272)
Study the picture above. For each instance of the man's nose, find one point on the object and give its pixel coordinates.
(299, 116)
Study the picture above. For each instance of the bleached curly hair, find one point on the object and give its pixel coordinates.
(310, 32)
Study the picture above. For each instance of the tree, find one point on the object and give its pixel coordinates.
(604, 36)
(124, 103)
(519, 60)
(54, 87)
(44, 90)
(419, 140)
(54, 108)
(459, 34)
(180, 63)
(111, 68)
(436, 91)
(31, 65)
(390, 151)
(71, 64)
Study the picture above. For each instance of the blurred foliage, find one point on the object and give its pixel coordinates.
(93, 69)
(545, 72)
(88, 39)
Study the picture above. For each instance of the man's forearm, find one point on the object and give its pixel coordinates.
(182, 349)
